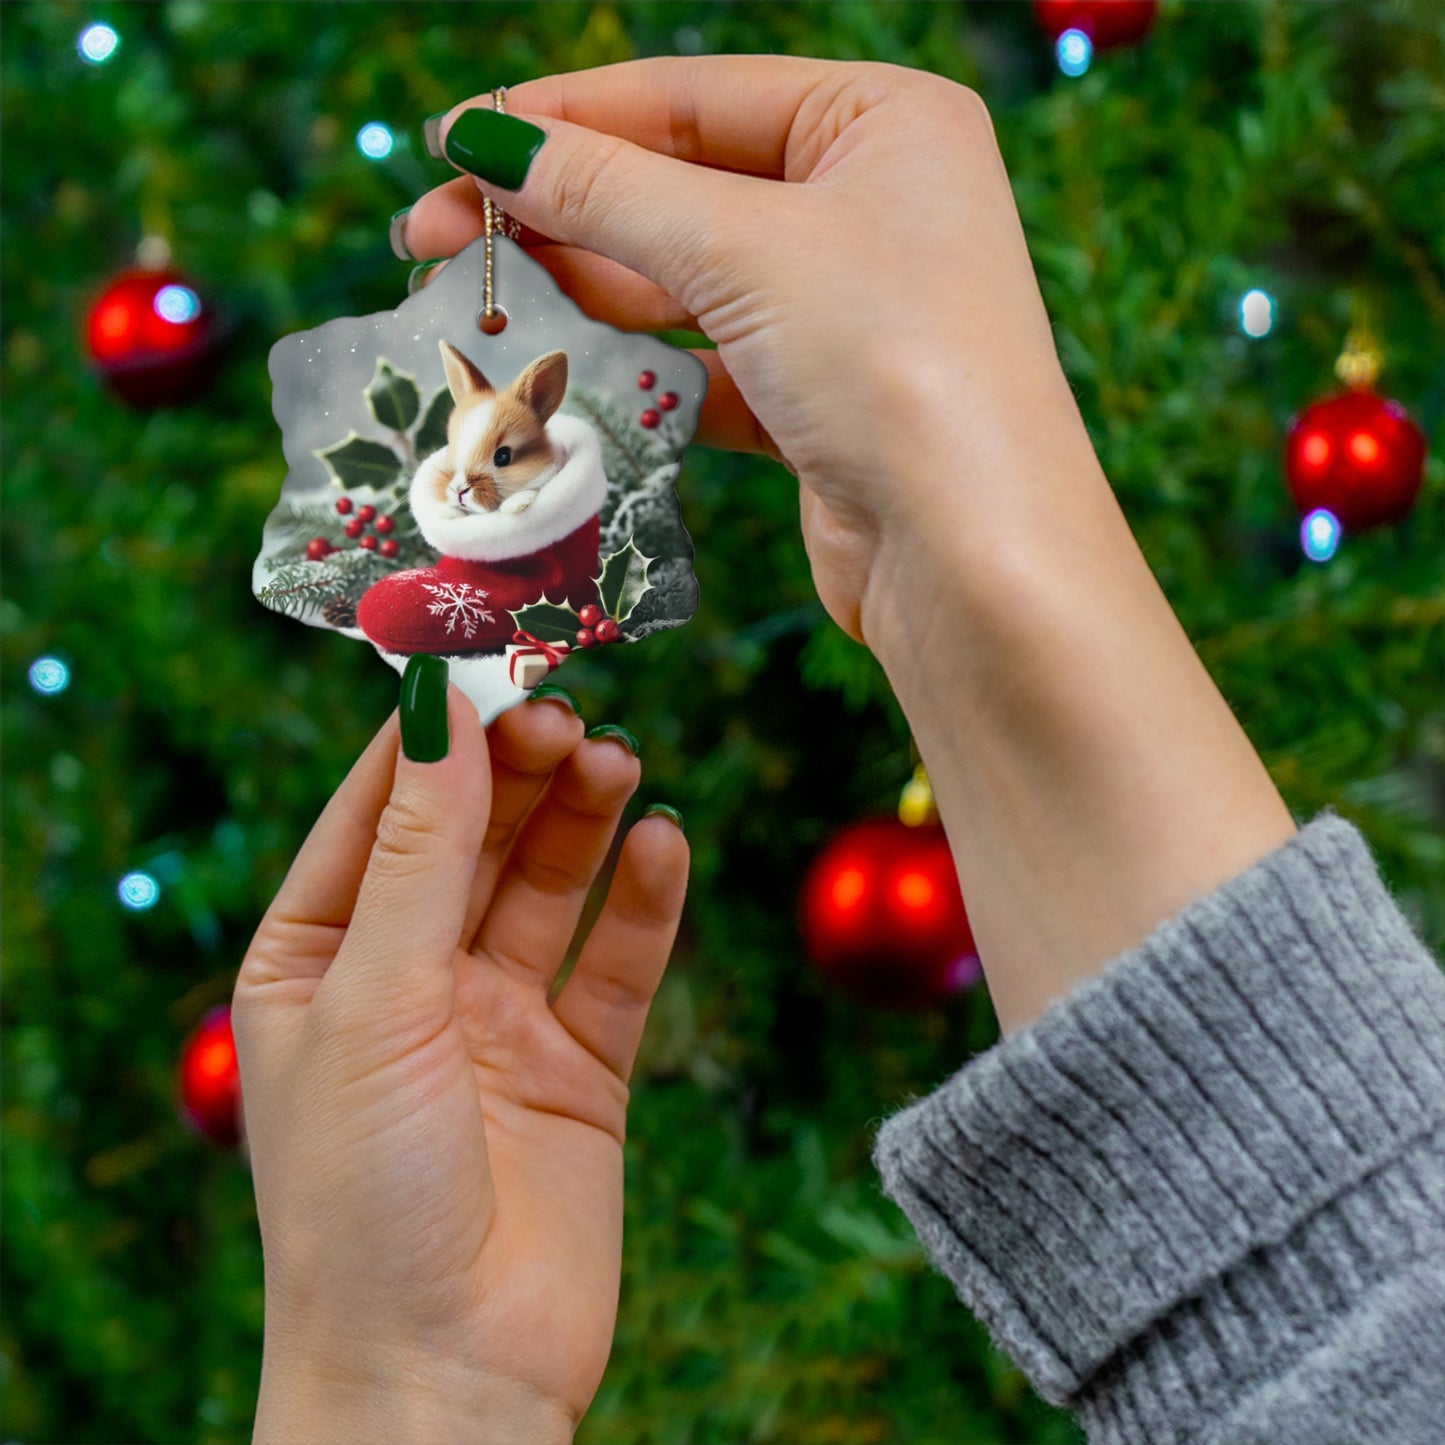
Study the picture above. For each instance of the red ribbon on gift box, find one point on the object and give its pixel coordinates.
(553, 652)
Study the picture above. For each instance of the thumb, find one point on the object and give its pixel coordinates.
(663, 218)
(413, 898)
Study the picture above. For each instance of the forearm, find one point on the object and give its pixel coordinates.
(1091, 778)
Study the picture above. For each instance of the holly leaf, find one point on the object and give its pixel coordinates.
(392, 396)
(431, 435)
(550, 621)
(360, 462)
(623, 582)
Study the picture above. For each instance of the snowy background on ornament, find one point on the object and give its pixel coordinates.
(319, 375)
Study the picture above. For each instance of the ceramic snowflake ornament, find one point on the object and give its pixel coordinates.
(498, 500)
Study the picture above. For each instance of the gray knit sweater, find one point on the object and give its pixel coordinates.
(1202, 1199)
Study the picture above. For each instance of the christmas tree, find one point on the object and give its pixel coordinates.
(162, 728)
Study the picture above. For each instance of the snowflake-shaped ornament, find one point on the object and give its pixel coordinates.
(406, 523)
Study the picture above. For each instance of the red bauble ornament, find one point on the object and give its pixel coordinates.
(647, 380)
(1107, 23)
(1357, 455)
(649, 418)
(590, 615)
(883, 917)
(388, 548)
(668, 401)
(586, 637)
(355, 527)
(608, 630)
(385, 525)
(152, 339)
(210, 1081)
(344, 505)
(317, 549)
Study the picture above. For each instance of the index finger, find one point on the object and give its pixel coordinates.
(732, 112)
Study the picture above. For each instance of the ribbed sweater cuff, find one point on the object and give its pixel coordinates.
(1214, 1107)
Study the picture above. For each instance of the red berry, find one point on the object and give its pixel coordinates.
(647, 380)
(608, 630)
(586, 638)
(384, 525)
(317, 548)
(365, 514)
(668, 401)
(590, 615)
(387, 548)
(649, 418)
(343, 505)
(368, 543)
(355, 527)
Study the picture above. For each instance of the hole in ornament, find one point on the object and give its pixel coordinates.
(495, 323)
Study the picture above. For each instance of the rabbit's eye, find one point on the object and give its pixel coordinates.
(502, 457)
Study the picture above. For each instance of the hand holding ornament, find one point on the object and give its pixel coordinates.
(437, 1143)
(847, 235)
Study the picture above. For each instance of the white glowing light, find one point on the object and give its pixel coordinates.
(97, 43)
(177, 304)
(375, 141)
(1256, 313)
(1074, 51)
(138, 891)
(49, 675)
(1319, 535)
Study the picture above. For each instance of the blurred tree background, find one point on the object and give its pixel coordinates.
(770, 1292)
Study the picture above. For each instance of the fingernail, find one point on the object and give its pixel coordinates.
(396, 233)
(662, 810)
(615, 730)
(498, 148)
(415, 279)
(550, 689)
(424, 736)
(431, 133)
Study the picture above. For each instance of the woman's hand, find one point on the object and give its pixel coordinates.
(848, 237)
(878, 324)
(437, 1149)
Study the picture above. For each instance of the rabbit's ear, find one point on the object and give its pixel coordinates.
(543, 384)
(463, 378)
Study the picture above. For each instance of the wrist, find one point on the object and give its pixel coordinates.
(400, 1398)
(1092, 779)
(980, 526)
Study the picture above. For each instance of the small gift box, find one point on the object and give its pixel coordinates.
(533, 659)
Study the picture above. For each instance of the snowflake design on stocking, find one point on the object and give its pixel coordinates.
(459, 602)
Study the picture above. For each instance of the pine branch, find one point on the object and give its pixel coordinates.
(596, 415)
(292, 591)
(294, 516)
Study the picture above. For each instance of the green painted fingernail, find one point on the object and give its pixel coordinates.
(550, 689)
(498, 148)
(414, 279)
(431, 133)
(424, 735)
(396, 233)
(663, 810)
(615, 730)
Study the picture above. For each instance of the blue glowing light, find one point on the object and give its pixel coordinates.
(1074, 52)
(375, 141)
(1256, 313)
(1319, 535)
(49, 675)
(177, 304)
(138, 891)
(97, 43)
